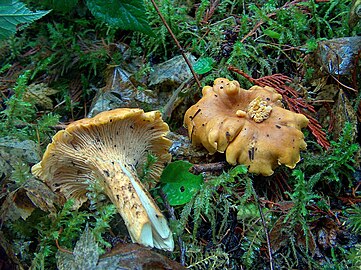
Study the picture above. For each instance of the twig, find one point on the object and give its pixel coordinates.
(264, 227)
(354, 189)
(210, 11)
(347, 87)
(177, 43)
(208, 167)
(323, 101)
(59, 247)
(254, 29)
(173, 217)
(169, 106)
(270, 15)
(56, 127)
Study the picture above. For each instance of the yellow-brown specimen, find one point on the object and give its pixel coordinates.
(250, 126)
(108, 149)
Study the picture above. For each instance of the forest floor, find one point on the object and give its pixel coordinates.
(276, 204)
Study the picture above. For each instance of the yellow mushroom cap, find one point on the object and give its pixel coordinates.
(109, 149)
(250, 126)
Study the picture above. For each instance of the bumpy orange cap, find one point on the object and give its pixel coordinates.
(250, 126)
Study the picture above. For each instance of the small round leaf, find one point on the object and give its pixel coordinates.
(203, 65)
(178, 183)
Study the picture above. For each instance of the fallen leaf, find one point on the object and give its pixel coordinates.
(13, 152)
(85, 254)
(172, 72)
(39, 94)
(134, 256)
(33, 194)
(280, 236)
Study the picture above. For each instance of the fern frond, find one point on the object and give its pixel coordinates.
(215, 259)
(355, 257)
(354, 219)
(251, 244)
(201, 205)
(337, 161)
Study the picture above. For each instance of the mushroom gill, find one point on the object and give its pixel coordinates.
(250, 126)
(110, 148)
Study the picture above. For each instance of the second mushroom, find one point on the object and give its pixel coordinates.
(250, 126)
(109, 149)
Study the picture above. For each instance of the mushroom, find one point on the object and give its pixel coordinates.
(110, 149)
(250, 126)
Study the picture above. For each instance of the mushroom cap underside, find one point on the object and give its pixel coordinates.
(125, 134)
(108, 149)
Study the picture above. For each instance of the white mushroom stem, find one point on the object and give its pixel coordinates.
(145, 222)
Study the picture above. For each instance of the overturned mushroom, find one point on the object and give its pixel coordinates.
(109, 149)
(250, 126)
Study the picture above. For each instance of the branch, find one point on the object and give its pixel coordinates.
(177, 43)
(264, 225)
(170, 210)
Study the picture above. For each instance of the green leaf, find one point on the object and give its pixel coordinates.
(203, 65)
(178, 183)
(13, 13)
(125, 14)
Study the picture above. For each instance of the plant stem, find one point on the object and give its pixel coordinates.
(170, 210)
(176, 42)
(264, 227)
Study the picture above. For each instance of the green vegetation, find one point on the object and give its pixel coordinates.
(14, 13)
(181, 189)
(57, 62)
